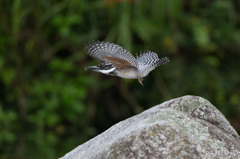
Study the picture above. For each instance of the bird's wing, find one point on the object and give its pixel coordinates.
(149, 60)
(111, 53)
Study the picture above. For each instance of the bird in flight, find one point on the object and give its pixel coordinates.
(117, 61)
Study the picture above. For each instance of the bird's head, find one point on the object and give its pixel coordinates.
(102, 68)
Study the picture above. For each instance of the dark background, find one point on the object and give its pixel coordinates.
(49, 104)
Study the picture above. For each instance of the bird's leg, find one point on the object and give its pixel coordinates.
(140, 81)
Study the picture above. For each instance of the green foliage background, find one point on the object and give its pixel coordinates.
(49, 104)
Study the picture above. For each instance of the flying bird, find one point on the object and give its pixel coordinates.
(117, 61)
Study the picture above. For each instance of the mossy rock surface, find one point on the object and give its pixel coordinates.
(185, 127)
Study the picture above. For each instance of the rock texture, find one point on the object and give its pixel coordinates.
(186, 127)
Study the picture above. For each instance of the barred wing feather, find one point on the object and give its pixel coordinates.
(149, 60)
(111, 53)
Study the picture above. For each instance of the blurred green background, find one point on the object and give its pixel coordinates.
(49, 104)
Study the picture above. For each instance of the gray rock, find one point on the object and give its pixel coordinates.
(186, 127)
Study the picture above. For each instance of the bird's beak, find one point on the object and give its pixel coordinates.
(140, 81)
(92, 68)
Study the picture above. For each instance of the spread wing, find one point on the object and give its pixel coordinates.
(111, 53)
(149, 60)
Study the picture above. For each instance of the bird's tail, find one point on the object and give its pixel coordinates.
(162, 61)
(92, 68)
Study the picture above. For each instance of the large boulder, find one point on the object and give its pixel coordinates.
(186, 127)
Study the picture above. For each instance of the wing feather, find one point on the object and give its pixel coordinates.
(149, 60)
(111, 53)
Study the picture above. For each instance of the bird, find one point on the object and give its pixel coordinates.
(116, 61)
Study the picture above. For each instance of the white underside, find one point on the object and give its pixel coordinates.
(130, 74)
(127, 73)
(107, 71)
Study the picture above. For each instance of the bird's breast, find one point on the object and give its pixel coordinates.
(127, 73)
